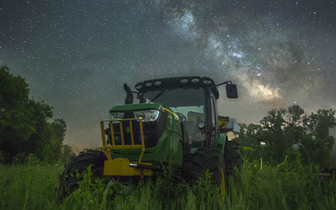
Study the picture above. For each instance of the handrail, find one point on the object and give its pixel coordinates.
(107, 147)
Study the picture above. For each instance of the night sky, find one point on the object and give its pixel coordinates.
(76, 55)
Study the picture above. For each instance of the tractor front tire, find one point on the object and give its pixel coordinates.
(79, 164)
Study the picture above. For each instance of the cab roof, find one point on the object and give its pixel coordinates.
(177, 82)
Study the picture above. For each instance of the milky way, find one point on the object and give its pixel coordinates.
(76, 55)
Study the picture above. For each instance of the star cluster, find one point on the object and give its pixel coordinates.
(76, 55)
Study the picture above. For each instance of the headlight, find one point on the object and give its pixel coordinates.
(116, 115)
(147, 115)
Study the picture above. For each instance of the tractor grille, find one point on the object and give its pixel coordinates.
(128, 132)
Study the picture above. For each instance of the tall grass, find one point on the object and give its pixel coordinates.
(286, 186)
(258, 186)
(28, 186)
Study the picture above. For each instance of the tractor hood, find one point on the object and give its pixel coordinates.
(148, 112)
(134, 107)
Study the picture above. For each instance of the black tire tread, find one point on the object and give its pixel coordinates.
(69, 180)
(210, 159)
(232, 156)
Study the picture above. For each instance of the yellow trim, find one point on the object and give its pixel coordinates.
(130, 130)
(120, 167)
(222, 122)
(112, 132)
(142, 138)
(171, 112)
(222, 186)
(121, 134)
(107, 148)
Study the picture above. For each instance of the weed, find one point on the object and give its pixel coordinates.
(291, 185)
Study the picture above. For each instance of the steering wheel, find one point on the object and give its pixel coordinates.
(181, 116)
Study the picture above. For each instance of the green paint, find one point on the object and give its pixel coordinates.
(221, 140)
(132, 107)
(169, 145)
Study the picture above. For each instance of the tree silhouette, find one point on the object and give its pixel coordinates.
(290, 133)
(24, 123)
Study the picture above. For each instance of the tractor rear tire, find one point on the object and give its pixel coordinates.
(232, 156)
(79, 164)
(211, 160)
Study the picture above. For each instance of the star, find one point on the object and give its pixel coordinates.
(76, 56)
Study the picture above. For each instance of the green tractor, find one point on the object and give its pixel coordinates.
(175, 122)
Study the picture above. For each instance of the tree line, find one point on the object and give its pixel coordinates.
(290, 134)
(26, 129)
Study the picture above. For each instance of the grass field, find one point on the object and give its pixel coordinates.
(259, 186)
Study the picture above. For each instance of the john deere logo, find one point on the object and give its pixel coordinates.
(128, 130)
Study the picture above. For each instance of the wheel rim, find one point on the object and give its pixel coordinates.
(222, 186)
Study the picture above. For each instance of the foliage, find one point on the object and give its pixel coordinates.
(288, 185)
(67, 154)
(29, 186)
(289, 132)
(24, 123)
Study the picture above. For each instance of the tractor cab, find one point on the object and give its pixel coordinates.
(193, 100)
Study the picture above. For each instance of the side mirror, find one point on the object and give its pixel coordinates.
(231, 91)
